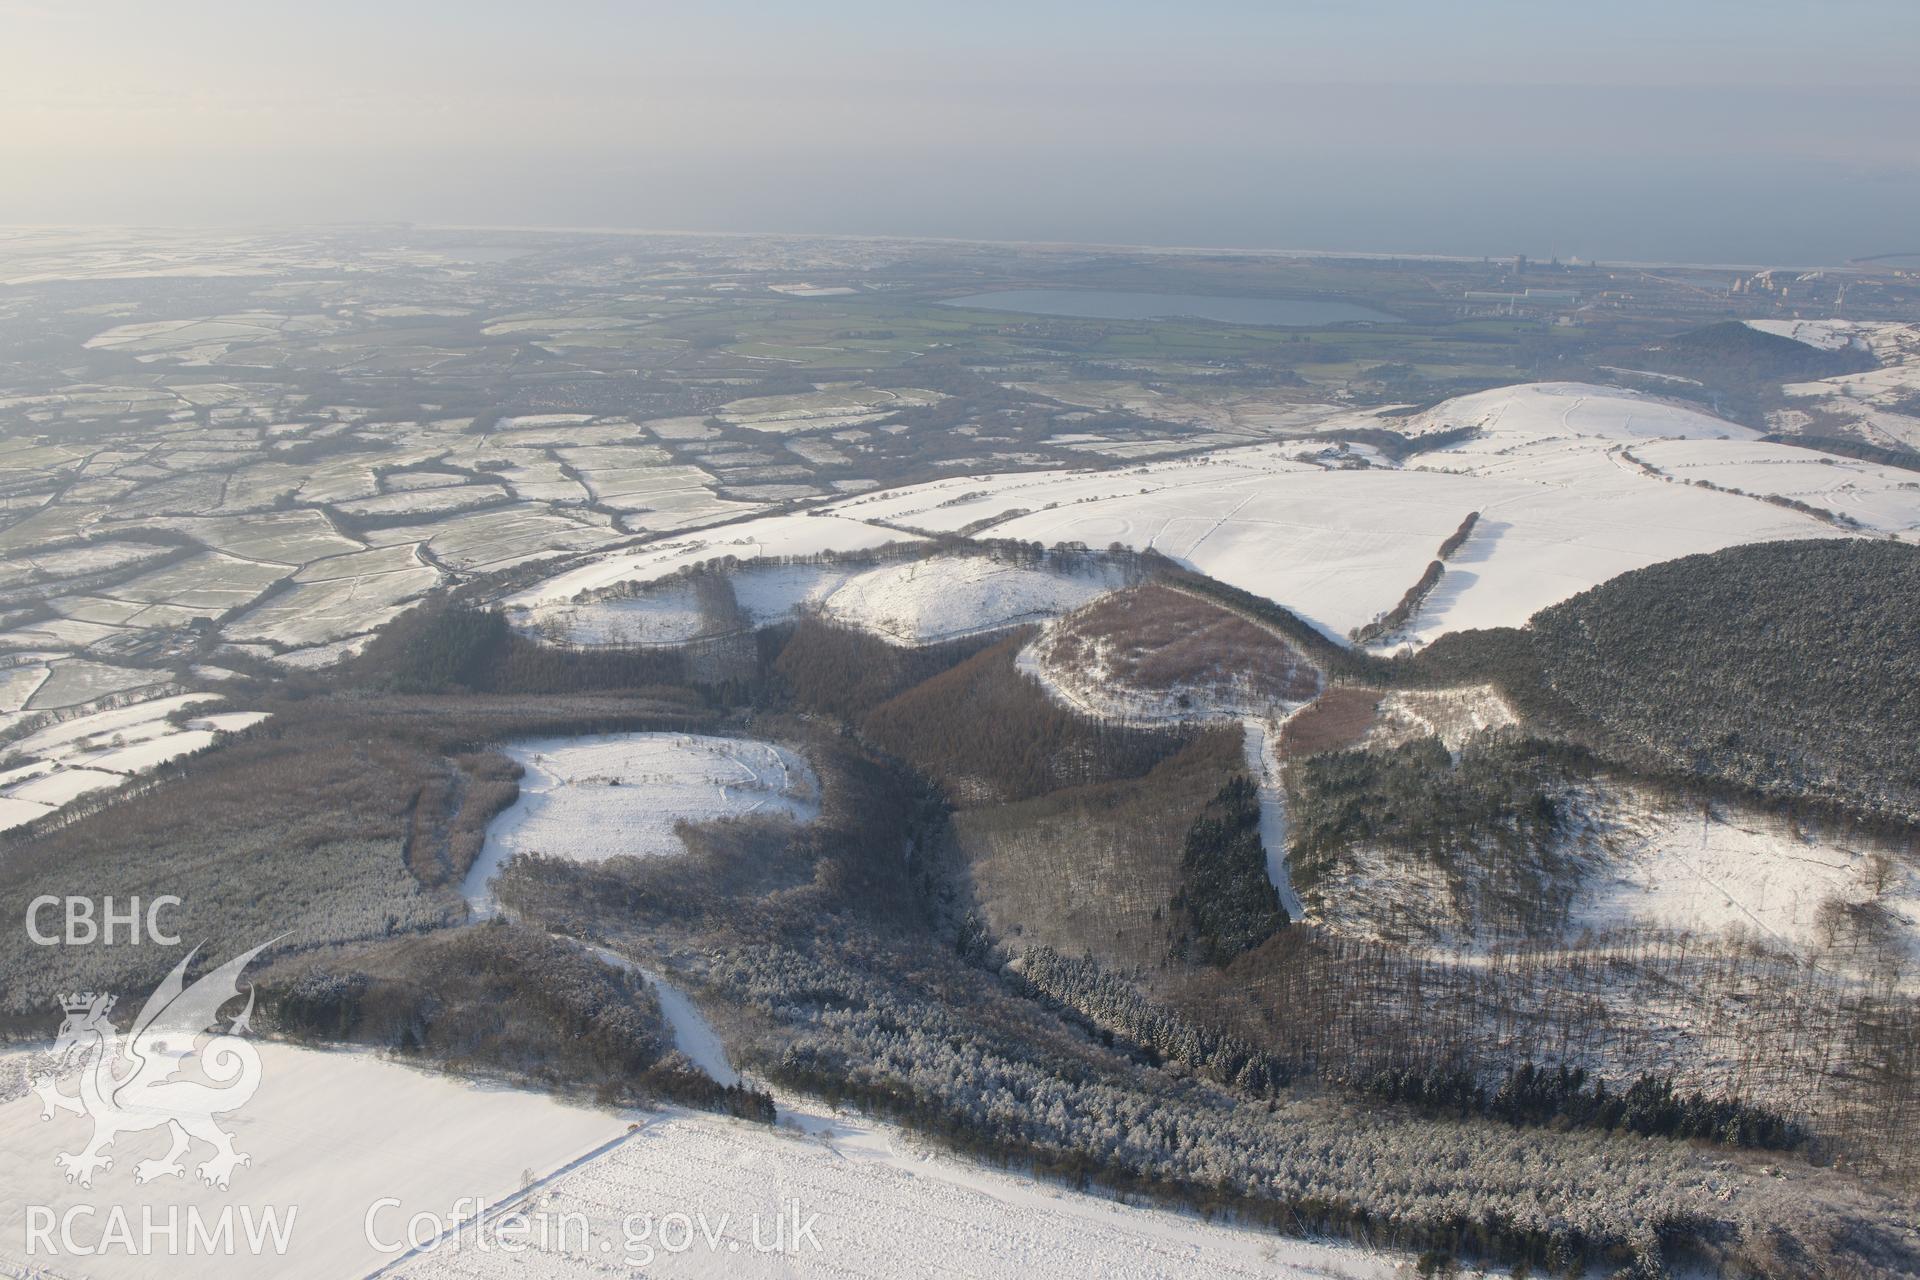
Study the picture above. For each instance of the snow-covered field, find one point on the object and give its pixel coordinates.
(1876, 498)
(205, 585)
(330, 1134)
(73, 682)
(341, 1141)
(877, 1204)
(97, 557)
(671, 611)
(1827, 335)
(1227, 408)
(667, 614)
(204, 341)
(1341, 547)
(1560, 511)
(425, 500)
(621, 795)
(497, 537)
(339, 596)
(103, 749)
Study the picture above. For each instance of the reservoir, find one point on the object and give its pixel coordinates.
(1102, 304)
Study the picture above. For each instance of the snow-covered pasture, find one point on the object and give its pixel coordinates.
(346, 1140)
(75, 682)
(1560, 511)
(671, 612)
(941, 598)
(94, 557)
(425, 501)
(205, 341)
(497, 537)
(1226, 408)
(208, 585)
(329, 1134)
(58, 764)
(624, 795)
(668, 614)
(1877, 498)
(878, 1204)
(1341, 547)
(337, 597)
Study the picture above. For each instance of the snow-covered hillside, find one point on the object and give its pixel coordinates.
(1877, 402)
(878, 1204)
(1824, 335)
(1575, 409)
(348, 1148)
(1872, 497)
(1569, 480)
(1559, 514)
(329, 1134)
(920, 601)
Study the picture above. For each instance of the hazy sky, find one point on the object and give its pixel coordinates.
(1686, 129)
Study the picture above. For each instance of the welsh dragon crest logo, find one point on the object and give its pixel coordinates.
(158, 1073)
